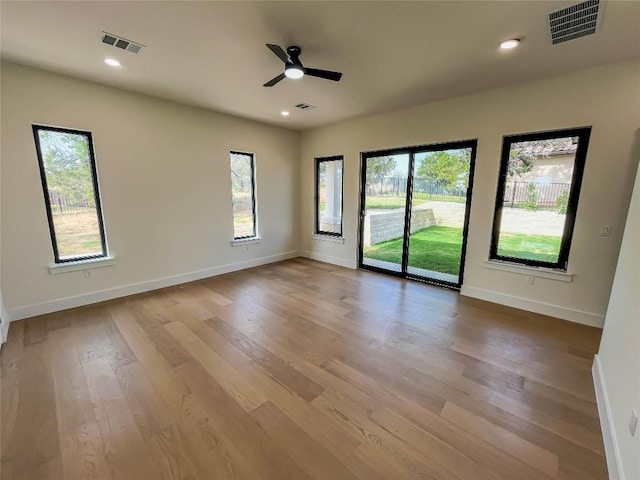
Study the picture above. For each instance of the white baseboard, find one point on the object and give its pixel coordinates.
(577, 316)
(611, 449)
(4, 323)
(131, 289)
(328, 259)
(4, 331)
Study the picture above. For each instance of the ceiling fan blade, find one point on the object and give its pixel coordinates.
(275, 80)
(280, 53)
(328, 74)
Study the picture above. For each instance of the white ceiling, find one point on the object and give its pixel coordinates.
(393, 54)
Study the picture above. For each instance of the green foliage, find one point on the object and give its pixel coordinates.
(562, 201)
(379, 167)
(531, 201)
(322, 174)
(67, 165)
(449, 168)
(241, 173)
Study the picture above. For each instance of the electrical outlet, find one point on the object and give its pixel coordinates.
(87, 273)
(633, 423)
(530, 280)
(606, 231)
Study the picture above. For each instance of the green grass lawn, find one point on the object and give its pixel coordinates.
(532, 247)
(438, 248)
(386, 203)
(389, 203)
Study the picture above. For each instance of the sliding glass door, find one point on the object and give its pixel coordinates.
(415, 210)
(385, 206)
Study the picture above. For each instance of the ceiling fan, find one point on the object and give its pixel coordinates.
(293, 67)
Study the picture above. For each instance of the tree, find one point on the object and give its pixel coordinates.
(240, 172)
(523, 154)
(67, 165)
(377, 169)
(449, 168)
(531, 200)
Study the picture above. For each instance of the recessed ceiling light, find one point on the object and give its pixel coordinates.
(509, 44)
(284, 113)
(112, 62)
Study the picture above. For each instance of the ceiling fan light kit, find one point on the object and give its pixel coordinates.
(292, 71)
(293, 67)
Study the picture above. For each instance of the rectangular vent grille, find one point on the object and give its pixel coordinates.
(123, 43)
(304, 106)
(574, 22)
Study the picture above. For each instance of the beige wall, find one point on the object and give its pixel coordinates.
(608, 98)
(165, 183)
(619, 354)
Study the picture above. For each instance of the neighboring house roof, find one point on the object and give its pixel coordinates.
(547, 148)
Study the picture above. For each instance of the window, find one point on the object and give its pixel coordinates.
(70, 185)
(534, 219)
(329, 196)
(243, 192)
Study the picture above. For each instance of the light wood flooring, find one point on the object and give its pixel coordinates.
(299, 370)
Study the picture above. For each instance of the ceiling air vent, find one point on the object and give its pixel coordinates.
(575, 22)
(304, 106)
(123, 43)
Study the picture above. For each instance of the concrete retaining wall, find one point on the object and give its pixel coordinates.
(383, 226)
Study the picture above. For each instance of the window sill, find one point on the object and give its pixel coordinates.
(539, 272)
(328, 238)
(81, 265)
(245, 241)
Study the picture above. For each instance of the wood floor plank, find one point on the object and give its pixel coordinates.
(126, 452)
(165, 345)
(543, 460)
(275, 366)
(229, 418)
(223, 373)
(97, 336)
(378, 443)
(83, 453)
(35, 331)
(576, 386)
(433, 449)
(476, 449)
(298, 370)
(156, 366)
(315, 459)
(35, 438)
(225, 459)
(11, 361)
(586, 407)
(578, 433)
(320, 427)
(171, 455)
(73, 401)
(151, 415)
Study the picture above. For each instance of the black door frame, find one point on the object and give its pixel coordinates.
(411, 151)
